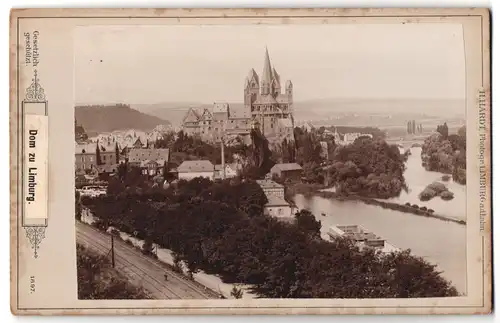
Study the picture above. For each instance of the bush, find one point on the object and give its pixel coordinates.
(236, 292)
(447, 195)
(445, 177)
(408, 204)
(437, 187)
(97, 279)
(430, 211)
(148, 249)
(423, 208)
(427, 194)
(415, 206)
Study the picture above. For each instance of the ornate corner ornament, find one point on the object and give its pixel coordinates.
(35, 236)
(35, 92)
(35, 233)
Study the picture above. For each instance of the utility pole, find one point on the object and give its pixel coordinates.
(223, 159)
(113, 250)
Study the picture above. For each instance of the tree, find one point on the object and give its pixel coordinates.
(98, 154)
(443, 130)
(148, 248)
(462, 132)
(117, 153)
(307, 223)
(78, 206)
(236, 292)
(165, 171)
(122, 170)
(205, 225)
(98, 280)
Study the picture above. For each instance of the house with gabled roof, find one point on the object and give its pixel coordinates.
(286, 171)
(138, 155)
(190, 169)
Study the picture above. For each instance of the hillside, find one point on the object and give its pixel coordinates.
(100, 118)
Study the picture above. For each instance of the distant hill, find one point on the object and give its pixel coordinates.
(102, 118)
(348, 111)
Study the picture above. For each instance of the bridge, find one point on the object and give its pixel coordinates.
(406, 142)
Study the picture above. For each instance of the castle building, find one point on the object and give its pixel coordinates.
(266, 107)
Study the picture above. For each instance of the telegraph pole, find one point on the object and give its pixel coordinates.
(223, 158)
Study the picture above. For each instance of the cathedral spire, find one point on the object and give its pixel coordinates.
(267, 75)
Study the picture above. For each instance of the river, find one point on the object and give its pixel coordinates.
(439, 242)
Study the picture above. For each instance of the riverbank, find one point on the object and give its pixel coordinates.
(310, 190)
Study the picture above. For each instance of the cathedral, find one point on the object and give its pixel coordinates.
(267, 107)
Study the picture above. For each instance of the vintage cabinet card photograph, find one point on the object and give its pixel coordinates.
(244, 161)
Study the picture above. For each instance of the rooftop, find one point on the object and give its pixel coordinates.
(266, 183)
(287, 167)
(189, 166)
(138, 155)
(274, 200)
(265, 99)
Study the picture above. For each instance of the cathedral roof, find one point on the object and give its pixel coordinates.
(265, 99)
(252, 75)
(282, 98)
(276, 76)
(267, 75)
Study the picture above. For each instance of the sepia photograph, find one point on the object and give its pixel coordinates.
(266, 161)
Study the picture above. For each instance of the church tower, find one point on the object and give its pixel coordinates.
(289, 95)
(251, 90)
(267, 76)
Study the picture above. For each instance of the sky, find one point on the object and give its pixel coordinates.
(209, 63)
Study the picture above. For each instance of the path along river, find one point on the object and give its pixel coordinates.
(439, 242)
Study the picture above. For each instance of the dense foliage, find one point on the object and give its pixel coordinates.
(98, 280)
(185, 147)
(436, 189)
(446, 153)
(368, 167)
(219, 228)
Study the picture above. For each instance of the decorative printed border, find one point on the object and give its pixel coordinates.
(34, 94)
(160, 14)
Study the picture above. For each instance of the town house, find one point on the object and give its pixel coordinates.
(286, 171)
(276, 205)
(190, 169)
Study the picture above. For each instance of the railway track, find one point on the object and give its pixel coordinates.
(140, 269)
